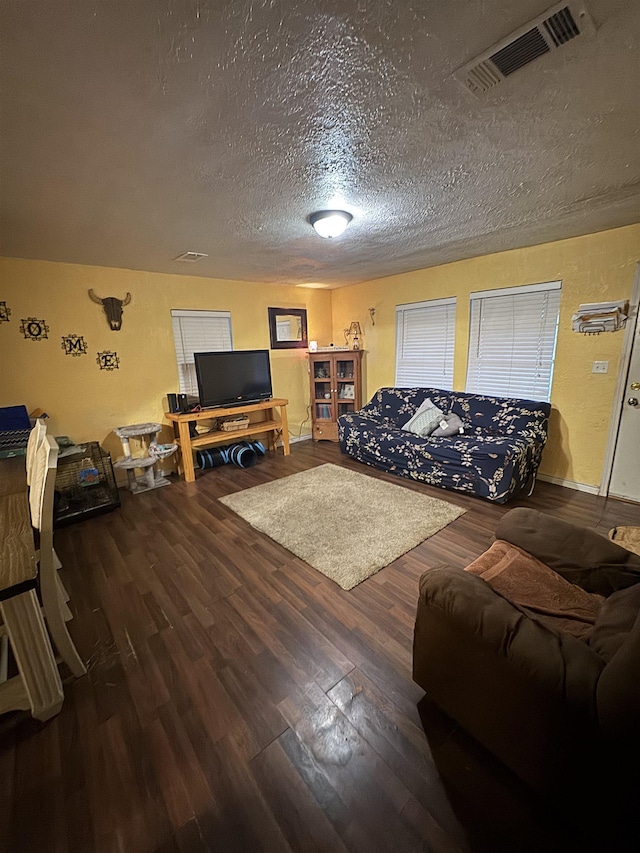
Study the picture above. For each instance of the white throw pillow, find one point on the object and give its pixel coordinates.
(425, 419)
(427, 404)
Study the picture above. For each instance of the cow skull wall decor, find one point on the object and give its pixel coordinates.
(112, 308)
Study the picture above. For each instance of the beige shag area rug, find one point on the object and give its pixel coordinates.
(346, 525)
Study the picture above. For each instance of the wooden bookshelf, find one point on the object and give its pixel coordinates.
(336, 389)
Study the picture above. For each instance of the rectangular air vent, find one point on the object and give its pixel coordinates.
(191, 257)
(561, 26)
(520, 52)
(551, 30)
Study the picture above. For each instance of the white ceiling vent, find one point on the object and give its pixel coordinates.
(551, 30)
(191, 257)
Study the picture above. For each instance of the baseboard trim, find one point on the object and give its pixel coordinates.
(300, 438)
(569, 484)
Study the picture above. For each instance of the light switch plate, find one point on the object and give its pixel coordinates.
(600, 367)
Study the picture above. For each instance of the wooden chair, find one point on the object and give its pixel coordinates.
(56, 612)
(36, 687)
(36, 437)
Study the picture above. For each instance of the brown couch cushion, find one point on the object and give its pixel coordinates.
(615, 621)
(580, 555)
(524, 691)
(536, 589)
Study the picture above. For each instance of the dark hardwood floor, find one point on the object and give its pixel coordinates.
(237, 700)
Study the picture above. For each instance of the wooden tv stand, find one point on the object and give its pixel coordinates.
(266, 424)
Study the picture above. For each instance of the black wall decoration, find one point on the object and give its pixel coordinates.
(34, 329)
(112, 308)
(108, 360)
(5, 312)
(74, 345)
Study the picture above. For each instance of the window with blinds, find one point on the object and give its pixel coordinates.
(198, 331)
(425, 340)
(512, 341)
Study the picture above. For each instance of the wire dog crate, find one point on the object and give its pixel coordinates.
(77, 498)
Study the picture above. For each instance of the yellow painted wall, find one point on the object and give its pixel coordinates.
(87, 403)
(593, 268)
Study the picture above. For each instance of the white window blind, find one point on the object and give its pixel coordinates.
(512, 341)
(198, 331)
(425, 340)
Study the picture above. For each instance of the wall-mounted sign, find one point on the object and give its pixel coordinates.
(33, 329)
(112, 308)
(74, 345)
(108, 360)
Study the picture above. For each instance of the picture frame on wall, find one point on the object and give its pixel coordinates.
(288, 328)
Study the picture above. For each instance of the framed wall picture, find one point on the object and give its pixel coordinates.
(288, 328)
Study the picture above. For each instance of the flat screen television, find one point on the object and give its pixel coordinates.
(233, 378)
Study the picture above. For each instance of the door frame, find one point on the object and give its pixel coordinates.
(623, 372)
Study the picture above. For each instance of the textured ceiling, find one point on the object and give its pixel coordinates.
(134, 130)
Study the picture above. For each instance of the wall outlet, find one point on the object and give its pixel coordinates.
(600, 367)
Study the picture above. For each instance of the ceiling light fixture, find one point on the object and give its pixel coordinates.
(330, 223)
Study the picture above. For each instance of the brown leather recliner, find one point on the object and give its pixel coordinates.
(550, 706)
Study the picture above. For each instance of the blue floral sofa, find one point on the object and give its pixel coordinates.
(496, 457)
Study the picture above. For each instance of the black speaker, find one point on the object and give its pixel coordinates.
(183, 403)
(172, 402)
